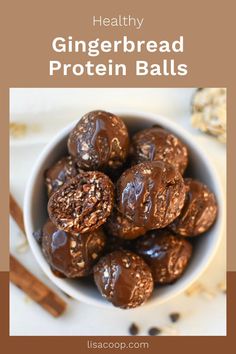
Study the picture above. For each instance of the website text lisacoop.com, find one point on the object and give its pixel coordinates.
(93, 48)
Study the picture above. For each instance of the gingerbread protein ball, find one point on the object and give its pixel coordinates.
(71, 255)
(118, 225)
(83, 203)
(166, 254)
(155, 144)
(61, 172)
(124, 279)
(99, 141)
(199, 211)
(151, 194)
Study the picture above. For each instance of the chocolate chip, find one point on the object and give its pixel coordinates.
(175, 316)
(154, 331)
(133, 329)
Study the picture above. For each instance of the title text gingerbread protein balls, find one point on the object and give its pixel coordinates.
(83, 203)
(99, 141)
(151, 194)
(72, 255)
(155, 144)
(124, 279)
(166, 254)
(61, 172)
(199, 211)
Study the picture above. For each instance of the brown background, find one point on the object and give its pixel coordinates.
(27, 28)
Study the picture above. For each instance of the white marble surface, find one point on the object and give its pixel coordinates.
(45, 111)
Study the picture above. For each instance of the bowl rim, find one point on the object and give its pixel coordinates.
(175, 288)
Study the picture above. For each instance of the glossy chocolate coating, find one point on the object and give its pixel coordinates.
(83, 203)
(199, 211)
(124, 279)
(61, 172)
(119, 226)
(151, 194)
(71, 255)
(166, 254)
(99, 141)
(155, 144)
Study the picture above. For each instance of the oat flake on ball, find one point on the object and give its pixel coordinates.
(82, 204)
(151, 194)
(124, 279)
(99, 141)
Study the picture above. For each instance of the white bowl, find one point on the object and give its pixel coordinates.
(35, 211)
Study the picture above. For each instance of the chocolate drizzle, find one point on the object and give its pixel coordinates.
(157, 144)
(73, 256)
(124, 279)
(199, 211)
(166, 254)
(61, 172)
(99, 141)
(151, 194)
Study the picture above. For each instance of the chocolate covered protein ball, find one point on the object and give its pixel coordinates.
(151, 194)
(124, 279)
(118, 225)
(83, 203)
(99, 141)
(61, 172)
(199, 211)
(155, 144)
(71, 255)
(166, 254)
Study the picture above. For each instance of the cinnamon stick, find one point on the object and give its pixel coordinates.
(16, 213)
(35, 289)
(26, 281)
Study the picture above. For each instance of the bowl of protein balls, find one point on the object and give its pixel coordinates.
(123, 209)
